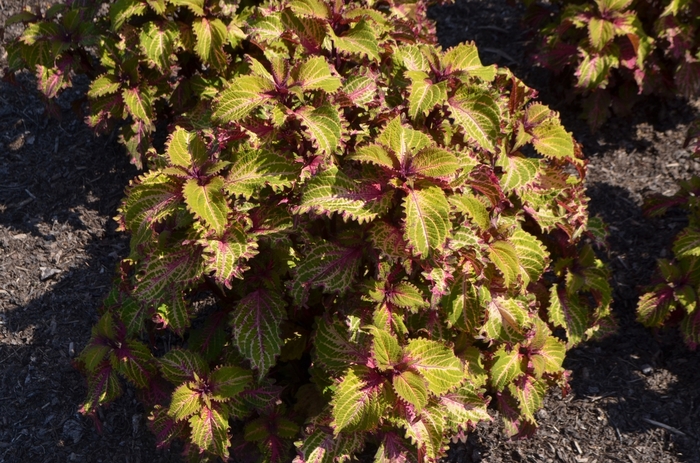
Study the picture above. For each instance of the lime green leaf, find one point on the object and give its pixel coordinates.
(465, 57)
(549, 357)
(411, 387)
(175, 313)
(228, 381)
(506, 367)
(333, 191)
(179, 365)
(106, 84)
(505, 258)
(157, 42)
(359, 40)
(355, 404)
(211, 36)
(394, 449)
(427, 432)
(208, 203)
(403, 140)
(334, 350)
(507, 320)
(186, 149)
(227, 255)
(551, 140)
(322, 126)
(357, 91)
(330, 266)
(139, 103)
(374, 154)
(478, 114)
(530, 395)
(424, 95)
(434, 162)
(518, 171)
(436, 363)
(122, 10)
(653, 309)
(178, 268)
(210, 431)
(315, 74)
(464, 406)
(464, 306)
(687, 243)
(315, 8)
(388, 239)
(600, 32)
(406, 295)
(469, 204)
(532, 255)
(324, 447)
(569, 313)
(195, 6)
(385, 348)
(253, 169)
(256, 328)
(311, 31)
(243, 95)
(185, 402)
(427, 219)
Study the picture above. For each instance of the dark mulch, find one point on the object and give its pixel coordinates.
(635, 395)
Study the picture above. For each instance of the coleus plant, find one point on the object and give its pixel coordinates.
(360, 240)
(616, 50)
(672, 298)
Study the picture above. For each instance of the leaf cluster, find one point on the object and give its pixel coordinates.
(357, 239)
(616, 50)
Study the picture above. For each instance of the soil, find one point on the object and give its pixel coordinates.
(635, 396)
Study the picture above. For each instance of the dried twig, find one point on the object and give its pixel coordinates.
(665, 426)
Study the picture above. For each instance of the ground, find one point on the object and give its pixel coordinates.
(635, 396)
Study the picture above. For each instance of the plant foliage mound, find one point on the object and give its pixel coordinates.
(616, 50)
(350, 241)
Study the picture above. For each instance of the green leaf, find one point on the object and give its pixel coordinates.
(243, 95)
(464, 306)
(427, 222)
(436, 363)
(532, 255)
(253, 169)
(195, 6)
(687, 243)
(424, 95)
(411, 57)
(653, 309)
(175, 313)
(324, 447)
(228, 381)
(228, 254)
(428, 432)
(406, 295)
(211, 36)
(388, 239)
(359, 40)
(333, 347)
(311, 31)
(411, 387)
(256, 328)
(106, 84)
(465, 57)
(549, 357)
(315, 74)
(506, 320)
(470, 205)
(157, 42)
(385, 349)
(179, 365)
(478, 114)
(434, 162)
(186, 149)
(600, 32)
(404, 141)
(159, 274)
(333, 191)
(210, 431)
(518, 172)
(530, 395)
(357, 91)
(464, 406)
(185, 402)
(355, 404)
(315, 8)
(506, 367)
(374, 154)
(208, 203)
(551, 140)
(329, 266)
(505, 257)
(322, 126)
(569, 313)
(122, 10)
(139, 103)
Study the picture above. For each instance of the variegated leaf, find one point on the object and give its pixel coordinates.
(322, 126)
(208, 203)
(356, 405)
(210, 430)
(506, 367)
(157, 42)
(478, 114)
(436, 363)
(465, 57)
(256, 328)
(243, 95)
(253, 169)
(315, 74)
(427, 222)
